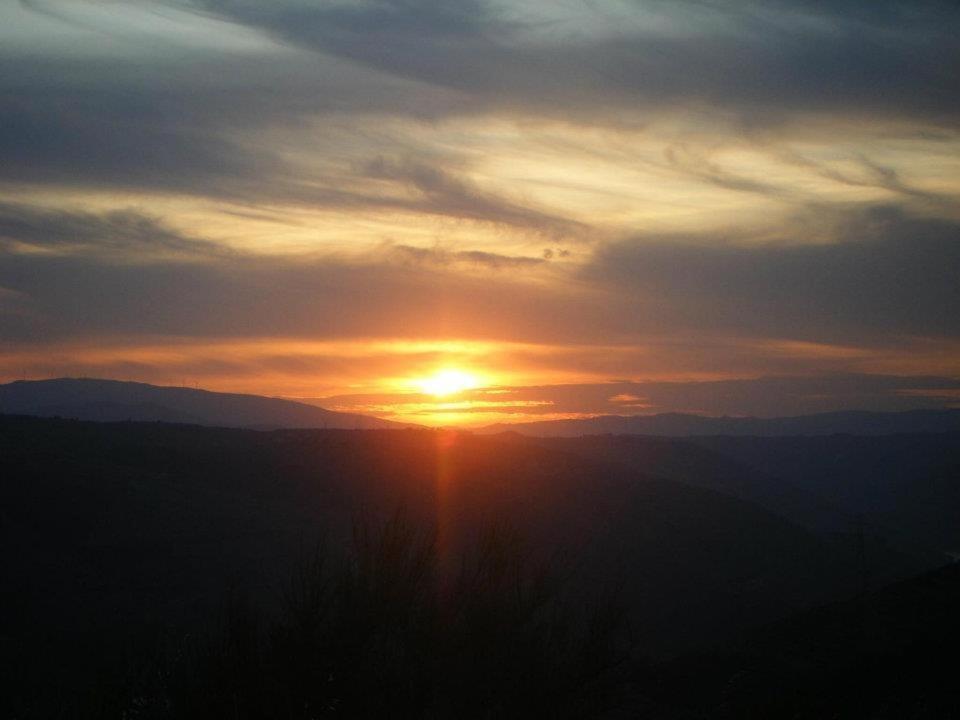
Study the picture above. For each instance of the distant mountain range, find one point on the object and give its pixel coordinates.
(681, 425)
(115, 401)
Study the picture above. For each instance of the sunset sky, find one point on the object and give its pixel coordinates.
(463, 212)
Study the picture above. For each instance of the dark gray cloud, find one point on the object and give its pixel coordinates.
(761, 62)
(673, 309)
(196, 132)
(122, 233)
(445, 194)
(436, 19)
(265, 296)
(88, 132)
(442, 257)
(886, 273)
(188, 120)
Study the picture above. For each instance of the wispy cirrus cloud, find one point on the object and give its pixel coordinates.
(442, 257)
(117, 234)
(445, 194)
(761, 59)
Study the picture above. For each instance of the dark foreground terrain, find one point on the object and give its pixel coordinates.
(147, 572)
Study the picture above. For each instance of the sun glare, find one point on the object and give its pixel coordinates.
(447, 382)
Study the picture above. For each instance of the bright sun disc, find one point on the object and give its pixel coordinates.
(447, 382)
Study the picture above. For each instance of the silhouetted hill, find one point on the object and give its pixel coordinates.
(903, 488)
(114, 536)
(679, 425)
(104, 524)
(114, 401)
(889, 654)
(906, 487)
(687, 461)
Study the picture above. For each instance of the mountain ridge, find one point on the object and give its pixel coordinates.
(852, 422)
(105, 400)
(116, 400)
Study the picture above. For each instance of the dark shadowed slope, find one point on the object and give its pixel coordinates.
(113, 401)
(111, 525)
(905, 486)
(888, 654)
(679, 425)
(684, 460)
(902, 488)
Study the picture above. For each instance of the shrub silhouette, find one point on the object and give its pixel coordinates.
(392, 632)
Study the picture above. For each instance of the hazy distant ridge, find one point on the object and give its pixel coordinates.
(678, 425)
(112, 400)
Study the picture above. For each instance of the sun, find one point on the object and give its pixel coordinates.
(448, 381)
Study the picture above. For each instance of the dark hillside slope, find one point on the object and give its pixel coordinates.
(890, 654)
(686, 461)
(685, 425)
(905, 486)
(901, 489)
(109, 527)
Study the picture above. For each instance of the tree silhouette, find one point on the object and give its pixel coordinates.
(383, 633)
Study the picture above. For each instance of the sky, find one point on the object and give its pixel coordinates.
(463, 212)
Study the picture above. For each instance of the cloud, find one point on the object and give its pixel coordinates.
(228, 129)
(882, 276)
(327, 86)
(441, 257)
(107, 112)
(77, 273)
(687, 161)
(886, 273)
(118, 233)
(445, 194)
(876, 175)
(192, 119)
(762, 397)
(759, 61)
(264, 295)
(59, 132)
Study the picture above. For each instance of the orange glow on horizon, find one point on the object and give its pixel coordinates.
(453, 381)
